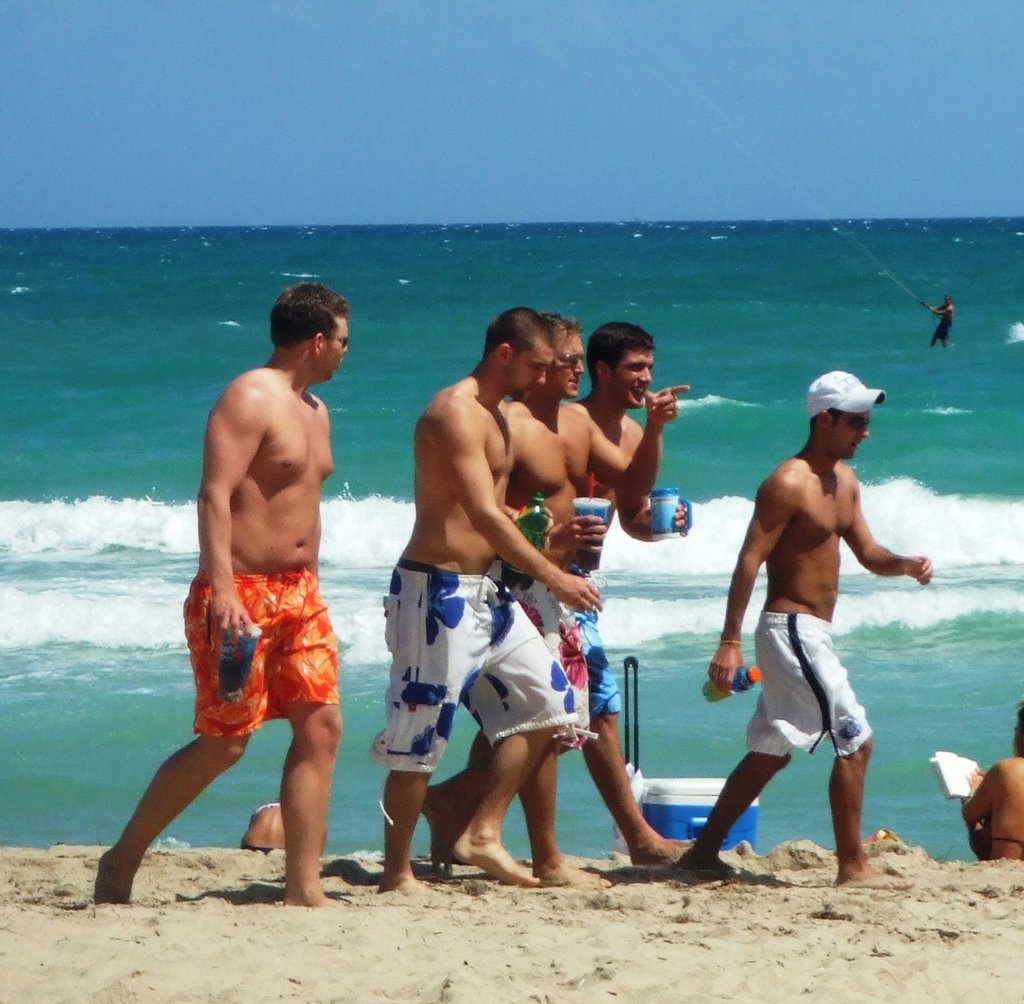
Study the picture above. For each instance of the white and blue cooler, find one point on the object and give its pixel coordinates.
(678, 808)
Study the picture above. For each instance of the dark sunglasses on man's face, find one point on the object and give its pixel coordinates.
(856, 422)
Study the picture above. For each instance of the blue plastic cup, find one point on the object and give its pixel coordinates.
(588, 561)
(664, 502)
(592, 507)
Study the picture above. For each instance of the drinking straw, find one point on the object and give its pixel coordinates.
(591, 479)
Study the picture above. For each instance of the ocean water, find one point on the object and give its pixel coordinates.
(116, 343)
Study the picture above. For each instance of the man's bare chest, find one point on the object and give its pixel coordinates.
(294, 450)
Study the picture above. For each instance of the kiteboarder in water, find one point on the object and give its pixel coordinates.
(945, 316)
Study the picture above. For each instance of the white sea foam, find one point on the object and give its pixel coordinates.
(15, 290)
(1016, 333)
(114, 614)
(113, 573)
(712, 401)
(125, 615)
(229, 324)
(909, 606)
(955, 531)
(709, 549)
(636, 622)
(365, 533)
(93, 524)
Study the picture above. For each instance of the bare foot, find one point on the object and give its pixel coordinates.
(404, 884)
(868, 878)
(113, 882)
(445, 829)
(311, 900)
(661, 852)
(492, 857)
(710, 865)
(564, 874)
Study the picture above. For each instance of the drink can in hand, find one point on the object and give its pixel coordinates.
(235, 663)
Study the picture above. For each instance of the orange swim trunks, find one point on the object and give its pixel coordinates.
(296, 658)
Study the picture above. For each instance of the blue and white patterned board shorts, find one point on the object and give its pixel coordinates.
(462, 638)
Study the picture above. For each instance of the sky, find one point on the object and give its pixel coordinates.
(266, 112)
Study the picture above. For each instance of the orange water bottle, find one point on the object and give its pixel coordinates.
(745, 678)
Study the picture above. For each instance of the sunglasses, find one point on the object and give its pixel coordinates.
(856, 422)
(569, 358)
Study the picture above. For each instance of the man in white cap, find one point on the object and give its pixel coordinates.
(803, 509)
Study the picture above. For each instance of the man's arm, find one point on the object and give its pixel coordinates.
(635, 517)
(980, 802)
(774, 507)
(464, 439)
(875, 558)
(637, 473)
(324, 416)
(234, 432)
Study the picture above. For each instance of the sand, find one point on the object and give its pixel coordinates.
(206, 925)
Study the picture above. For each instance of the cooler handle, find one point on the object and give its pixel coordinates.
(630, 673)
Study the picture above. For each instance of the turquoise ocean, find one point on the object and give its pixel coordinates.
(116, 344)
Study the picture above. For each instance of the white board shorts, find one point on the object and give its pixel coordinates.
(805, 690)
(462, 638)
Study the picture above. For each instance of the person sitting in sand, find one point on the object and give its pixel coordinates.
(805, 507)
(265, 832)
(994, 812)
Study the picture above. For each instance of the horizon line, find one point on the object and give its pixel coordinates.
(634, 221)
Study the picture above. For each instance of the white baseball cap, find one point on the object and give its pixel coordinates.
(842, 391)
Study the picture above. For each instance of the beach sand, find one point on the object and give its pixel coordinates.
(206, 925)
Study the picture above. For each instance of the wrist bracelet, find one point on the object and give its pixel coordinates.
(729, 641)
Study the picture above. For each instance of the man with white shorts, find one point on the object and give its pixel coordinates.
(451, 630)
(803, 509)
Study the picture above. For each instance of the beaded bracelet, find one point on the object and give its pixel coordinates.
(729, 641)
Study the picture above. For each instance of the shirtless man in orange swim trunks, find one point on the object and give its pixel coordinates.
(266, 455)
